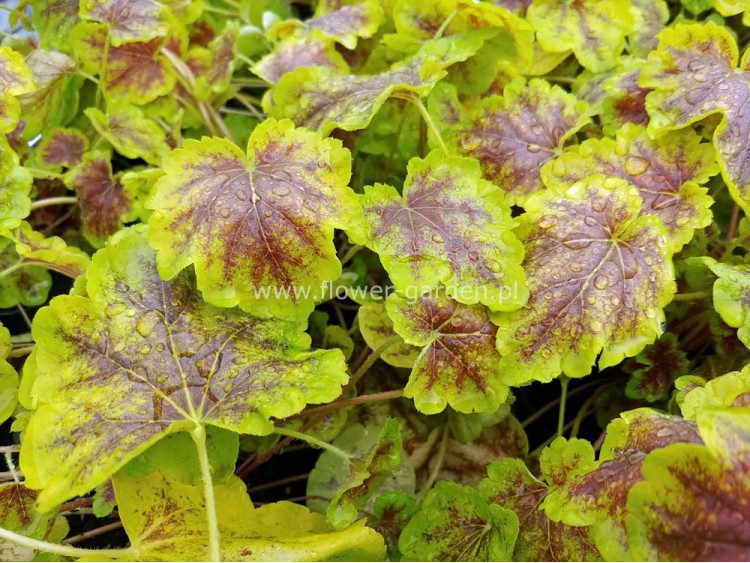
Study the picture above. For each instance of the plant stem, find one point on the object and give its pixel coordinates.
(10, 269)
(128, 553)
(371, 398)
(93, 533)
(430, 123)
(438, 462)
(214, 536)
(350, 253)
(563, 399)
(62, 200)
(692, 296)
(279, 483)
(371, 359)
(733, 221)
(313, 440)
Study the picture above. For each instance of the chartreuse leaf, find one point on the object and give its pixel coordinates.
(8, 378)
(376, 328)
(448, 227)
(595, 494)
(458, 364)
(15, 77)
(595, 30)
(165, 520)
(649, 18)
(732, 8)
(662, 363)
(54, 22)
(20, 284)
(51, 253)
(20, 515)
(319, 98)
(136, 72)
(728, 390)
(130, 132)
(128, 20)
(216, 78)
(624, 100)
(513, 135)
(62, 147)
(15, 187)
(103, 201)
(693, 501)
(258, 225)
(55, 100)
(668, 174)
(693, 74)
(455, 523)
(731, 295)
(512, 486)
(599, 274)
(375, 455)
(139, 357)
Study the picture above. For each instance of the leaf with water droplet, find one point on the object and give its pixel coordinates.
(458, 365)
(455, 523)
(694, 73)
(599, 274)
(448, 227)
(595, 30)
(731, 295)
(511, 485)
(51, 253)
(692, 501)
(513, 135)
(595, 493)
(349, 484)
(258, 227)
(669, 174)
(320, 98)
(139, 357)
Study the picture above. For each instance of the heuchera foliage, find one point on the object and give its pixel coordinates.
(484, 263)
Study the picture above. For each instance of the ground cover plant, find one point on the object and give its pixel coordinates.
(375, 280)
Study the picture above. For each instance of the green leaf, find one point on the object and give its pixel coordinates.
(136, 72)
(448, 227)
(8, 378)
(21, 284)
(15, 204)
(139, 358)
(668, 174)
(692, 503)
(319, 98)
(130, 132)
(255, 226)
(512, 486)
(376, 328)
(392, 512)
(598, 275)
(103, 201)
(165, 520)
(19, 515)
(663, 362)
(564, 460)
(513, 135)
(595, 30)
(127, 20)
(694, 74)
(455, 523)
(731, 295)
(62, 147)
(375, 457)
(595, 494)
(54, 22)
(458, 364)
(728, 390)
(55, 100)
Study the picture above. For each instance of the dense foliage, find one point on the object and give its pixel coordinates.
(395, 235)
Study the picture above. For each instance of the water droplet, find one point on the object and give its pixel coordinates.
(590, 221)
(547, 221)
(635, 165)
(228, 387)
(145, 349)
(700, 77)
(161, 378)
(695, 96)
(280, 190)
(576, 241)
(438, 239)
(629, 263)
(695, 66)
(160, 347)
(537, 130)
(268, 213)
(533, 148)
(493, 266)
(601, 282)
(225, 213)
(575, 267)
(591, 300)
(596, 326)
(598, 204)
(681, 220)
(473, 256)
(471, 142)
(241, 195)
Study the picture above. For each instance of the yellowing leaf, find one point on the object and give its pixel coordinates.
(127, 20)
(139, 357)
(259, 228)
(595, 30)
(598, 275)
(731, 295)
(130, 132)
(8, 378)
(48, 252)
(15, 78)
(458, 365)
(448, 227)
(15, 182)
(513, 135)
(311, 49)
(166, 521)
(668, 174)
(377, 328)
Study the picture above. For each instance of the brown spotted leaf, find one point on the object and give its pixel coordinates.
(668, 174)
(139, 357)
(62, 147)
(309, 50)
(599, 274)
(127, 20)
(458, 365)
(513, 135)
(258, 226)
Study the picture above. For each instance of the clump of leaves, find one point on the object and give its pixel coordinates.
(375, 280)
